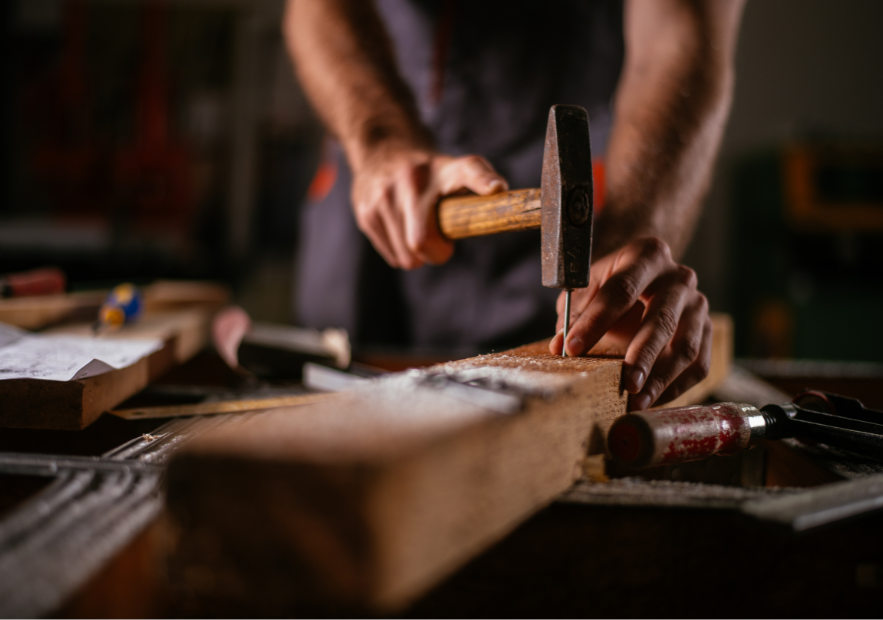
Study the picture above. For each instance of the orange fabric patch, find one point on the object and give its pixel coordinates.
(322, 181)
(599, 174)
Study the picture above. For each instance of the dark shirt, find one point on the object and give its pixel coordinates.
(484, 75)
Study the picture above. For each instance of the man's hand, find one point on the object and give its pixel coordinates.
(672, 102)
(395, 196)
(347, 65)
(640, 301)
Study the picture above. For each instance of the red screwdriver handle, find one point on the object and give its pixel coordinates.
(43, 281)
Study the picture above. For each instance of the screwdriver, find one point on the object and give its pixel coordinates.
(43, 281)
(123, 305)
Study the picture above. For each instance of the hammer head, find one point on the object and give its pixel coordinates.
(567, 197)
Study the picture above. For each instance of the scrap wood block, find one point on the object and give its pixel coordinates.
(373, 496)
(40, 311)
(185, 333)
(74, 405)
(367, 500)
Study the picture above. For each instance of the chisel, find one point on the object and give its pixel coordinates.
(665, 436)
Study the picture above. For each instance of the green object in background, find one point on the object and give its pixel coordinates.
(805, 291)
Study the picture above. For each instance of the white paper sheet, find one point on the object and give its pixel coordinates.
(64, 358)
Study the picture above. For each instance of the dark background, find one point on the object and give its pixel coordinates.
(216, 194)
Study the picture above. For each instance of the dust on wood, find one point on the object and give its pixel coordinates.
(534, 357)
(404, 481)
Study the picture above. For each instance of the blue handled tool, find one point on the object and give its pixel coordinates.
(123, 305)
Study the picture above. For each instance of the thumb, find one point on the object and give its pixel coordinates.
(473, 173)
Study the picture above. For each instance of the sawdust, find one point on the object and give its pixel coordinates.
(535, 357)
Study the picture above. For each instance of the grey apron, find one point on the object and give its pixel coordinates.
(484, 74)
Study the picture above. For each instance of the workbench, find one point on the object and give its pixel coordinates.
(629, 547)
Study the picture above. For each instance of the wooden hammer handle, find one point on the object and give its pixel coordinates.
(474, 216)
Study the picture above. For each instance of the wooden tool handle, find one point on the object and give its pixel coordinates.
(475, 216)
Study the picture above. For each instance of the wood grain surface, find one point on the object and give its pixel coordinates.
(217, 407)
(41, 311)
(73, 405)
(369, 499)
(378, 493)
(474, 216)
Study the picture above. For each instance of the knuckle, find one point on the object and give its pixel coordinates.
(688, 349)
(702, 369)
(475, 161)
(702, 303)
(693, 375)
(365, 216)
(624, 291)
(404, 180)
(687, 276)
(654, 248)
(477, 165)
(667, 320)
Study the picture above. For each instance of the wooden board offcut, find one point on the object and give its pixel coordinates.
(376, 494)
(41, 311)
(218, 407)
(73, 405)
(370, 498)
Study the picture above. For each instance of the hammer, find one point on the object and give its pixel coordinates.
(562, 208)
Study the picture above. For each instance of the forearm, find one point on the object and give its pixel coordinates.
(671, 109)
(345, 61)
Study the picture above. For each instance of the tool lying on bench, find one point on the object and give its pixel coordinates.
(691, 433)
(43, 281)
(562, 208)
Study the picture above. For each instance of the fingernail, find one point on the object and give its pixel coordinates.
(495, 185)
(575, 346)
(636, 377)
(641, 402)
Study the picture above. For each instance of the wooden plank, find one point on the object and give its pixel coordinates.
(185, 332)
(73, 405)
(377, 494)
(722, 353)
(38, 312)
(216, 407)
(373, 497)
(166, 295)
(161, 296)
